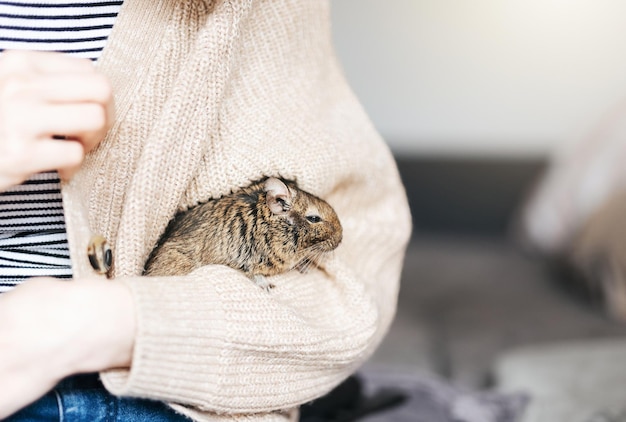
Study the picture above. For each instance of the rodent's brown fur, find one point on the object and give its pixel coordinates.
(264, 229)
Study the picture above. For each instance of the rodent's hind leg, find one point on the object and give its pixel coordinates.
(169, 262)
(262, 282)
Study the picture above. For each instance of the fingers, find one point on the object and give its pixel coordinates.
(65, 87)
(71, 120)
(43, 62)
(52, 154)
(47, 154)
(48, 94)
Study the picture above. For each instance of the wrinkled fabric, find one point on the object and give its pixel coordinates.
(430, 399)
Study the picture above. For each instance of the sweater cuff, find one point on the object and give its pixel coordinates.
(169, 354)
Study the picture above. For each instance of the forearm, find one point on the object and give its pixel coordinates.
(50, 329)
(221, 343)
(106, 335)
(214, 340)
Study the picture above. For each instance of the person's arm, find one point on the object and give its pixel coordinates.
(51, 328)
(215, 341)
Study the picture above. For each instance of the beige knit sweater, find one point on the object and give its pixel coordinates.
(210, 96)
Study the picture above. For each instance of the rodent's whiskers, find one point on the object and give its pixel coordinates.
(312, 256)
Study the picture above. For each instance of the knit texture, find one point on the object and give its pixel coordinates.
(209, 97)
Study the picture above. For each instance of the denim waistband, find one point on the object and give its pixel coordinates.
(83, 398)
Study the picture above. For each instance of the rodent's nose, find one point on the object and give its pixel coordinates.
(337, 238)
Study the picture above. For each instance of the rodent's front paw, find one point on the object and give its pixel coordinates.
(262, 282)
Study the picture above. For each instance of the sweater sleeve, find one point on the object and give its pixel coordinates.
(214, 341)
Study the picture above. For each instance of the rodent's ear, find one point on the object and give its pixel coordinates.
(278, 196)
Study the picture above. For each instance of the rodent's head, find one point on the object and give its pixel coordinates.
(315, 221)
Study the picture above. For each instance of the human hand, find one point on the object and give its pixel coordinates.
(50, 329)
(45, 97)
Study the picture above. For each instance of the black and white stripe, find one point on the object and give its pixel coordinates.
(80, 29)
(33, 206)
(33, 240)
(28, 254)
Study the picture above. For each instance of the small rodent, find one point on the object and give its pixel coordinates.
(264, 229)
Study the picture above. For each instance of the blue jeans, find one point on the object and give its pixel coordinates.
(82, 398)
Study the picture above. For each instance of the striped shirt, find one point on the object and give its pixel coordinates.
(33, 240)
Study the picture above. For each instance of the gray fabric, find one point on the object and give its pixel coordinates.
(430, 399)
(609, 417)
(576, 381)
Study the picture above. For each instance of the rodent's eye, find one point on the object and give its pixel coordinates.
(313, 218)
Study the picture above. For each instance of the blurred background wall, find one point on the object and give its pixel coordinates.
(483, 78)
(474, 96)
